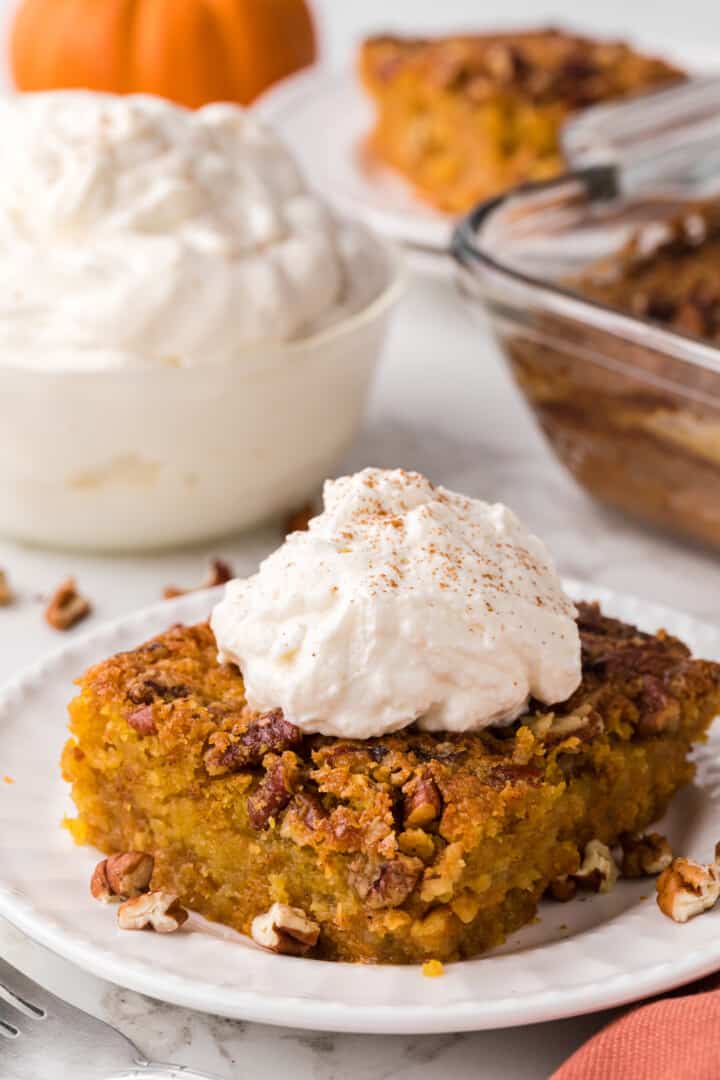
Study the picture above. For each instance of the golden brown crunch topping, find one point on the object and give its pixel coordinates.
(422, 803)
(269, 732)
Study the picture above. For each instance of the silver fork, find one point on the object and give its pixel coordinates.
(35, 1025)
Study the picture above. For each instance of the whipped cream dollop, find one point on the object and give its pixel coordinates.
(134, 232)
(402, 603)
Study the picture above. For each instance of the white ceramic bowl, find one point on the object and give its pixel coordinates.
(130, 460)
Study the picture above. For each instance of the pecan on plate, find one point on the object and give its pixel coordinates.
(284, 929)
(687, 888)
(159, 911)
(122, 876)
(598, 871)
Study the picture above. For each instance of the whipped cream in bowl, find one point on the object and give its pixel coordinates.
(187, 332)
(403, 603)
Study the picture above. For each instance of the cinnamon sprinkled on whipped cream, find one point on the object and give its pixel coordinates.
(403, 603)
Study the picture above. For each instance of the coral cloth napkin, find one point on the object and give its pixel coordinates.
(673, 1038)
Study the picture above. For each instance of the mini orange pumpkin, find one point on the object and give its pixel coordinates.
(192, 51)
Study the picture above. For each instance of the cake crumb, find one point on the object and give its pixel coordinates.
(219, 573)
(433, 969)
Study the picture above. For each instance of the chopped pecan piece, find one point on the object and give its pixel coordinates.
(584, 724)
(159, 911)
(511, 773)
(143, 721)
(309, 809)
(129, 873)
(687, 888)
(659, 711)
(6, 594)
(146, 689)
(422, 802)
(390, 884)
(122, 876)
(304, 817)
(270, 732)
(562, 888)
(100, 886)
(644, 856)
(219, 573)
(649, 656)
(284, 929)
(598, 871)
(274, 792)
(66, 607)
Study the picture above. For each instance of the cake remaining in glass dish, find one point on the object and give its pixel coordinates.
(520, 740)
(466, 116)
(669, 275)
(602, 288)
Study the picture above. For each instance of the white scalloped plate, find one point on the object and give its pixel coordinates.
(581, 956)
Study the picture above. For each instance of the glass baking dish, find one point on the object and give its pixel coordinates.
(630, 406)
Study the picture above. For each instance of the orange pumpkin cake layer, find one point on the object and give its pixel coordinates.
(400, 848)
(465, 117)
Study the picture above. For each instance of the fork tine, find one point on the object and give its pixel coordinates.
(8, 1021)
(23, 994)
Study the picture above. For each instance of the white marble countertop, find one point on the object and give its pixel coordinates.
(442, 404)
